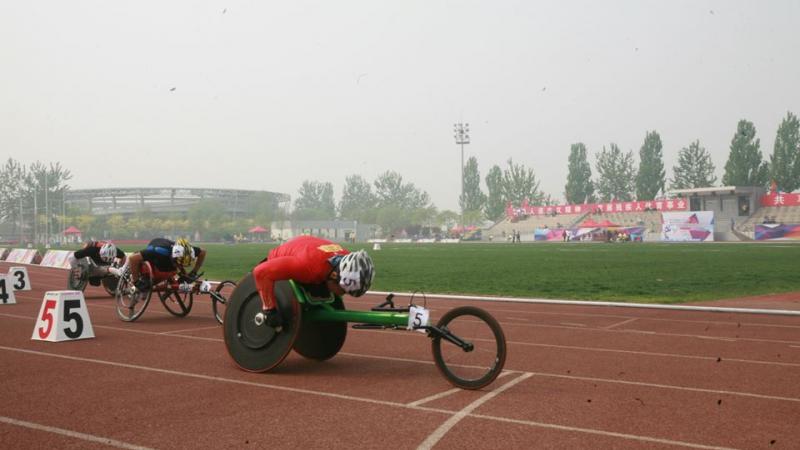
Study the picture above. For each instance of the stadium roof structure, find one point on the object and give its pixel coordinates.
(166, 199)
(716, 190)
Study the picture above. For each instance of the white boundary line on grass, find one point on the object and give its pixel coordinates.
(716, 309)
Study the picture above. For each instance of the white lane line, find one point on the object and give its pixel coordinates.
(439, 433)
(667, 386)
(655, 306)
(191, 329)
(367, 400)
(450, 392)
(519, 319)
(213, 378)
(661, 355)
(795, 346)
(611, 434)
(434, 397)
(419, 335)
(573, 324)
(614, 325)
(72, 434)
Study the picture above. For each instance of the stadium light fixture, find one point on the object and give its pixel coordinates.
(461, 134)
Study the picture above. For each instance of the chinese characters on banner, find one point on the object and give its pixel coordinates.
(677, 204)
(780, 199)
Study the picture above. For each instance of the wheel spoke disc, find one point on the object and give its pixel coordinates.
(258, 348)
(251, 335)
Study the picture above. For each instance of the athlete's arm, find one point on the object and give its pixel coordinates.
(275, 269)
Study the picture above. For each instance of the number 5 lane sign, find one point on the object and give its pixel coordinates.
(63, 317)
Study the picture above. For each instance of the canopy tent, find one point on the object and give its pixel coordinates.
(258, 229)
(607, 223)
(72, 230)
(589, 223)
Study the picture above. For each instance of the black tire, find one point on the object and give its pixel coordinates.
(131, 306)
(219, 298)
(179, 304)
(477, 368)
(321, 340)
(253, 347)
(77, 278)
(110, 283)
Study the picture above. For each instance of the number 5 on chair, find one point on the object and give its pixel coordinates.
(63, 317)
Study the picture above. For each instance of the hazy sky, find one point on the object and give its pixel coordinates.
(263, 95)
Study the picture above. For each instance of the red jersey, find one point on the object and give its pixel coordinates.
(303, 259)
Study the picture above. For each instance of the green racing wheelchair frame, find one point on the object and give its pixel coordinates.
(468, 344)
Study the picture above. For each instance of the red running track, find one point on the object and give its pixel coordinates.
(577, 377)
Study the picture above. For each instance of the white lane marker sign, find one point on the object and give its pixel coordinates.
(21, 280)
(63, 317)
(7, 290)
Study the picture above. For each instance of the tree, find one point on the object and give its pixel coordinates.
(399, 203)
(358, 202)
(615, 174)
(12, 189)
(391, 191)
(519, 184)
(650, 178)
(473, 198)
(315, 201)
(694, 169)
(495, 205)
(745, 166)
(579, 188)
(784, 166)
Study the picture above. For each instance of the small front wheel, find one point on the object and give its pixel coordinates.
(219, 298)
(131, 302)
(482, 360)
(179, 304)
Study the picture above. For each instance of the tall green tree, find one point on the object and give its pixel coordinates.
(694, 168)
(495, 203)
(358, 202)
(579, 188)
(615, 174)
(390, 190)
(473, 198)
(745, 166)
(519, 183)
(650, 178)
(784, 166)
(315, 201)
(13, 190)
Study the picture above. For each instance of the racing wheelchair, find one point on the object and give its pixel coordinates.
(468, 344)
(83, 274)
(176, 293)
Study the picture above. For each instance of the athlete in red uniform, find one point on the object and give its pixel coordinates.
(312, 260)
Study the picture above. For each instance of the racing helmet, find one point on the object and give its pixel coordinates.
(108, 252)
(355, 273)
(183, 252)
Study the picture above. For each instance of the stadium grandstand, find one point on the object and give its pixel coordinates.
(126, 201)
(738, 213)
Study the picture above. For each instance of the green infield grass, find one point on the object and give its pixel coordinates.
(649, 272)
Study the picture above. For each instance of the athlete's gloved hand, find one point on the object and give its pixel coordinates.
(141, 284)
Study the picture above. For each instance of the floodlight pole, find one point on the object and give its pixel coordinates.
(461, 134)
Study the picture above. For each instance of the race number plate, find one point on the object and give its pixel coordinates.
(417, 317)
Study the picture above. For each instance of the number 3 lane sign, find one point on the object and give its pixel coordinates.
(63, 317)
(20, 280)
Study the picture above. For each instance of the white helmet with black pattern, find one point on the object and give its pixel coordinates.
(355, 273)
(108, 252)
